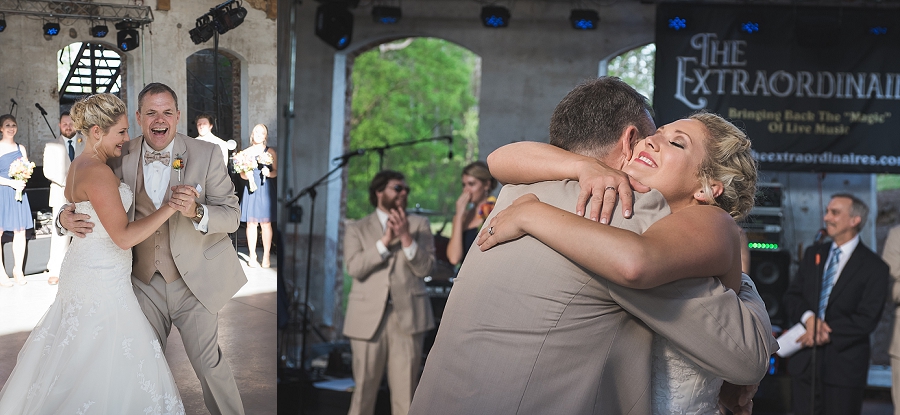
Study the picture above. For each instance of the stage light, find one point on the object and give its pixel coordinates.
(127, 37)
(495, 16)
(51, 29)
(228, 16)
(584, 19)
(99, 31)
(677, 23)
(334, 25)
(203, 30)
(386, 14)
(876, 30)
(2, 24)
(750, 27)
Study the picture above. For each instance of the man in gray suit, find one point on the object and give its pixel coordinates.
(388, 312)
(527, 331)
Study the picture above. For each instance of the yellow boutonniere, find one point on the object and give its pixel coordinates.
(178, 165)
(79, 140)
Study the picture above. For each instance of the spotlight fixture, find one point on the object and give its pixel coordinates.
(495, 16)
(203, 30)
(334, 25)
(127, 37)
(99, 31)
(227, 16)
(51, 29)
(584, 19)
(386, 14)
(2, 22)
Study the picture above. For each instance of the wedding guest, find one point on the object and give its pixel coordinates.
(472, 208)
(204, 132)
(256, 205)
(15, 212)
(58, 156)
(388, 254)
(839, 317)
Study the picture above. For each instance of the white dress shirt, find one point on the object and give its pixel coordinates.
(156, 181)
(846, 250)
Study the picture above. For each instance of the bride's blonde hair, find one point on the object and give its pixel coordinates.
(102, 110)
(729, 160)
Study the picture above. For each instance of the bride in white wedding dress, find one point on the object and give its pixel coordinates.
(94, 352)
(703, 167)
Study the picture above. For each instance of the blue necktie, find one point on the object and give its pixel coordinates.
(828, 280)
(71, 151)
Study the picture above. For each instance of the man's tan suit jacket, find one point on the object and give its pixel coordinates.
(374, 278)
(207, 261)
(527, 331)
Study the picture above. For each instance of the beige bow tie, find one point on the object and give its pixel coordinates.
(151, 156)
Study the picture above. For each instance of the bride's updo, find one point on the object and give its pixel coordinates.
(102, 110)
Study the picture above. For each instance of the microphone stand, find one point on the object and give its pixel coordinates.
(311, 191)
(380, 149)
(44, 114)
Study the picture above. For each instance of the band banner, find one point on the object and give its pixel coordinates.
(815, 88)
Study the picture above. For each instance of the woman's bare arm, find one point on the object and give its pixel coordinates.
(530, 162)
(697, 241)
(103, 191)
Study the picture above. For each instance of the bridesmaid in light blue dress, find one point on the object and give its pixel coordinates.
(15, 215)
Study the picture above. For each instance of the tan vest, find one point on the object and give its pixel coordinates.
(154, 253)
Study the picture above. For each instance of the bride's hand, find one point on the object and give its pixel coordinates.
(601, 184)
(507, 225)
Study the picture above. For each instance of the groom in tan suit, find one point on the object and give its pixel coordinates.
(527, 331)
(388, 312)
(186, 272)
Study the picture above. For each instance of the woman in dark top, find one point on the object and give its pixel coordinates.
(472, 208)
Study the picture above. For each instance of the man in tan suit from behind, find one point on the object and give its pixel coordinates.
(58, 155)
(891, 256)
(527, 331)
(388, 312)
(188, 270)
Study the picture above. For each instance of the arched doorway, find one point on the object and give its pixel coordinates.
(214, 88)
(634, 66)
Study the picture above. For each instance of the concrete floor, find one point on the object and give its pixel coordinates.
(246, 334)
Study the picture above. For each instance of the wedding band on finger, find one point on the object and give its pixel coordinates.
(609, 188)
(491, 231)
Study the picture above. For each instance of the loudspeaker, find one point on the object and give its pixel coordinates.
(770, 270)
(334, 25)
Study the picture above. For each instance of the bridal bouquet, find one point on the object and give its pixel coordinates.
(21, 169)
(244, 163)
(266, 160)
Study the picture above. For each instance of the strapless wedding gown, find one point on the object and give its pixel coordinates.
(93, 352)
(679, 386)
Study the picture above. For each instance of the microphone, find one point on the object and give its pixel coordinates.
(820, 236)
(13, 101)
(231, 144)
(449, 147)
(344, 157)
(43, 112)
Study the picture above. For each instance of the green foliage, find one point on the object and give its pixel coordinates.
(408, 90)
(887, 182)
(636, 67)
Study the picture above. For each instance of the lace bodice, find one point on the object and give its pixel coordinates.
(679, 386)
(96, 251)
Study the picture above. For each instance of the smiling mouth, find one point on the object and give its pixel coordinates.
(646, 160)
(159, 131)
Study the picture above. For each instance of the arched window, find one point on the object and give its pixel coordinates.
(86, 68)
(204, 73)
(636, 67)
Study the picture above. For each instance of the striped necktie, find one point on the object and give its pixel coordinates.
(828, 280)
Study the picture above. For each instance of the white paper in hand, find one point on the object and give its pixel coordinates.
(787, 342)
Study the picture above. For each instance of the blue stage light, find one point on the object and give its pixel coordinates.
(495, 16)
(51, 29)
(750, 27)
(386, 14)
(99, 31)
(677, 23)
(878, 30)
(2, 25)
(584, 19)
